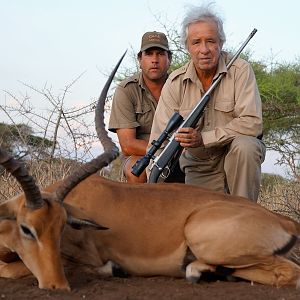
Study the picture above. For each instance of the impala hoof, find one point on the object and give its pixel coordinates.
(192, 274)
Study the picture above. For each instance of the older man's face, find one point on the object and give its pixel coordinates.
(203, 43)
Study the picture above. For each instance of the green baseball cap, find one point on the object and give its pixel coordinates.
(154, 39)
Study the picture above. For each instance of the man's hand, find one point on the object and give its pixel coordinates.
(189, 137)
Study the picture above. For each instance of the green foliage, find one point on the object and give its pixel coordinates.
(20, 136)
(11, 134)
(280, 93)
(179, 59)
(36, 141)
(13, 131)
(279, 86)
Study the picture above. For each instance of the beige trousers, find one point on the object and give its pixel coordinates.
(235, 169)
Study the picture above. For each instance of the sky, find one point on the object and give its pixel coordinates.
(50, 43)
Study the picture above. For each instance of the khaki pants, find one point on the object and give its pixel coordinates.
(235, 169)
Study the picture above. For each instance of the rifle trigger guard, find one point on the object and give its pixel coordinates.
(165, 173)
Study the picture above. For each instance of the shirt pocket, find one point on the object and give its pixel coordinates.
(144, 116)
(226, 106)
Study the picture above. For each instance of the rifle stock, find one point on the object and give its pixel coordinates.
(172, 150)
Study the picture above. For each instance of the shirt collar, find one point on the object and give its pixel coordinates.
(222, 64)
(141, 81)
(192, 74)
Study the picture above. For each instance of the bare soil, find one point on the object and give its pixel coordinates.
(88, 286)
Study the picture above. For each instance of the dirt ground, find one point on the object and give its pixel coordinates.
(87, 286)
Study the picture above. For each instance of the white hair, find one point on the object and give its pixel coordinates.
(201, 13)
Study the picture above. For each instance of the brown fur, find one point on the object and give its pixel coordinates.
(150, 230)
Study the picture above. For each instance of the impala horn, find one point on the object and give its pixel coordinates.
(110, 153)
(32, 193)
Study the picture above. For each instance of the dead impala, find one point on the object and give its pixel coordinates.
(147, 229)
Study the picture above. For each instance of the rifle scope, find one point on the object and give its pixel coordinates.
(143, 162)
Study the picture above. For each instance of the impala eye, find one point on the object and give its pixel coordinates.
(27, 232)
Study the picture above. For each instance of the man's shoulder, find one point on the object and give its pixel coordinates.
(178, 72)
(239, 63)
(134, 79)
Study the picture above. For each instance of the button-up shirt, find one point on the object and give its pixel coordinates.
(133, 107)
(234, 108)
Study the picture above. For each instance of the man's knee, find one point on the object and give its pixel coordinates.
(244, 144)
(127, 171)
(243, 166)
(247, 147)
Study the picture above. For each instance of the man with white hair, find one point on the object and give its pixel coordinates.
(224, 152)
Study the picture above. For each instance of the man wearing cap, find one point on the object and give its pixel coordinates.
(135, 101)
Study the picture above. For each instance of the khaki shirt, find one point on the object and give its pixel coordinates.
(234, 108)
(133, 107)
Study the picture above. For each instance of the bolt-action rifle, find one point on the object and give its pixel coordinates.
(164, 163)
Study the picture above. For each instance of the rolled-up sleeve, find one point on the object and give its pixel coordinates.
(122, 111)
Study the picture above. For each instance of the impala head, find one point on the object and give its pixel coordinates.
(31, 224)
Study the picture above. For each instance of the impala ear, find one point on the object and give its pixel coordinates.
(83, 223)
(9, 208)
(77, 219)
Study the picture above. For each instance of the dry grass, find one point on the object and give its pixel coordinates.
(282, 196)
(44, 173)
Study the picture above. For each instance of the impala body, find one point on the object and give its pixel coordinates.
(153, 229)
(140, 229)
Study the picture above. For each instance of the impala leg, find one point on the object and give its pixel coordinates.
(194, 270)
(13, 270)
(276, 270)
(112, 269)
